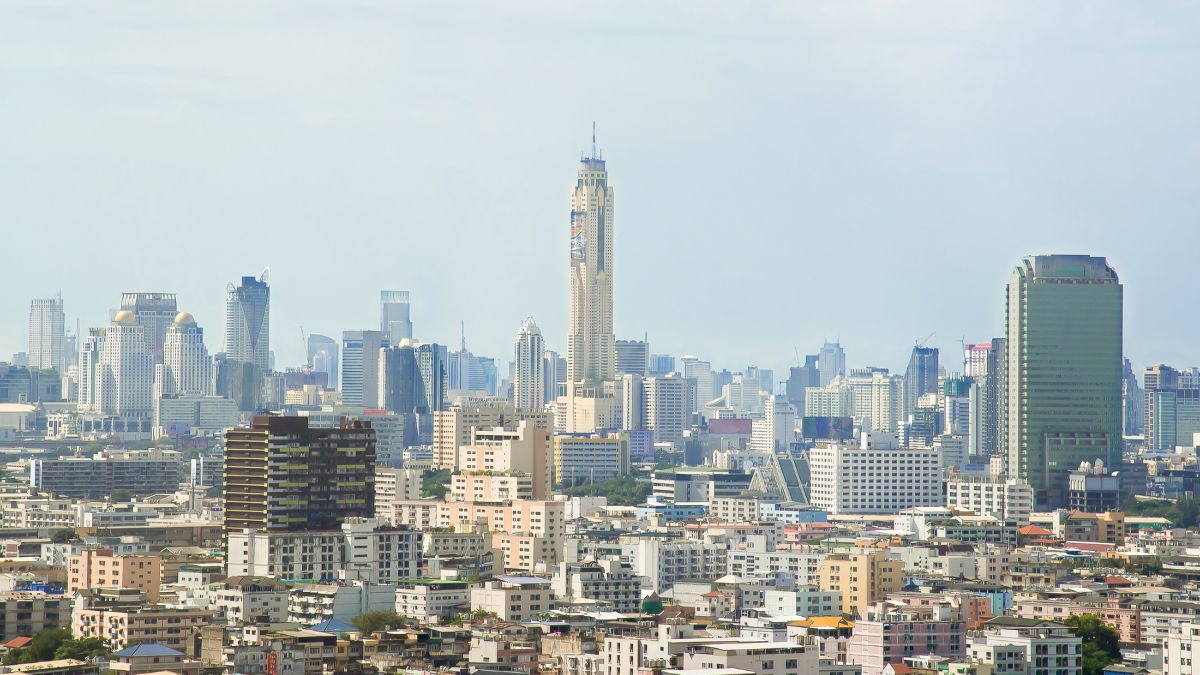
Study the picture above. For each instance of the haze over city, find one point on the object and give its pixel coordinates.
(784, 174)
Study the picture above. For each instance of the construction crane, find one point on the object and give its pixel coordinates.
(921, 342)
(304, 339)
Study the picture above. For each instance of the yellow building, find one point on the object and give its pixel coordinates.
(863, 578)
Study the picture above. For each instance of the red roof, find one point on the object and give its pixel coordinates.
(17, 642)
(1033, 529)
(1117, 581)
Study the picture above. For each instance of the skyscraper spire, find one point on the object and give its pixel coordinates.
(593, 139)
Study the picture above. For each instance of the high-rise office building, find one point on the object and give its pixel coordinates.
(412, 384)
(323, 358)
(665, 403)
(248, 322)
(529, 363)
(47, 337)
(590, 342)
(281, 475)
(360, 367)
(661, 364)
(124, 370)
(1133, 402)
(89, 370)
(982, 365)
(832, 362)
(701, 372)
(800, 378)
(555, 368)
(186, 366)
(1172, 406)
(155, 312)
(1064, 322)
(394, 316)
(633, 356)
(921, 376)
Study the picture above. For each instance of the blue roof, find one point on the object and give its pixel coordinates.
(148, 649)
(335, 626)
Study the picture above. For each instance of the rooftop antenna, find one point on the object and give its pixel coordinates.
(462, 331)
(594, 156)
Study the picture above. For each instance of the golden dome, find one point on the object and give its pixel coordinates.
(185, 319)
(124, 318)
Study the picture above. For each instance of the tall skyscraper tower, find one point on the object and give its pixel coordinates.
(323, 357)
(590, 343)
(282, 475)
(47, 341)
(248, 322)
(921, 376)
(155, 312)
(831, 361)
(529, 367)
(360, 367)
(394, 317)
(1064, 365)
(187, 368)
(125, 370)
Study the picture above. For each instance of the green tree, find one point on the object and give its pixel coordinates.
(435, 483)
(62, 536)
(1101, 644)
(82, 649)
(42, 648)
(120, 496)
(621, 491)
(373, 622)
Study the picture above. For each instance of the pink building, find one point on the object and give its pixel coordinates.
(970, 608)
(887, 635)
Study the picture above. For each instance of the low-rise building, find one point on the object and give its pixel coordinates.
(513, 598)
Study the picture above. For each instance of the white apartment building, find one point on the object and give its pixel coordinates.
(1181, 653)
(432, 599)
(1006, 499)
(311, 604)
(250, 600)
(806, 600)
(833, 400)
(360, 550)
(750, 563)
(1028, 646)
(851, 479)
(514, 598)
(415, 514)
(761, 658)
(611, 583)
(590, 459)
(877, 398)
(776, 429)
(666, 405)
(393, 484)
(663, 561)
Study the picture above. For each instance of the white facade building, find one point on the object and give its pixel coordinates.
(360, 550)
(125, 370)
(529, 367)
(777, 428)
(47, 337)
(1006, 499)
(851, 479)
(187, 368)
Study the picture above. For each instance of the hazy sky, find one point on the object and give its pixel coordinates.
(784, 172)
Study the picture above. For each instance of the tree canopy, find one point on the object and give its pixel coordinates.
(373, 622)
(1101, 644)
(435, 483)
(621, 491)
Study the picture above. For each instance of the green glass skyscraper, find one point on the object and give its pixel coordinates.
(1064, 329)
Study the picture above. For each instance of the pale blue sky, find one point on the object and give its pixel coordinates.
(784, 172)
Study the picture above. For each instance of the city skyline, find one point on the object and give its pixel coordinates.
(802, 180)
